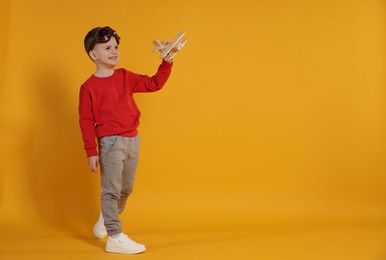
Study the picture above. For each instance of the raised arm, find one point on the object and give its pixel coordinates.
(144, 83)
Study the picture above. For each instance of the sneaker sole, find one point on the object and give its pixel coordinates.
(114, 249)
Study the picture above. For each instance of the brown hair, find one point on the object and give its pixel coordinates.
(91, 38)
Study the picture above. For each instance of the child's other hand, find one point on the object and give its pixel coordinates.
(93, 163)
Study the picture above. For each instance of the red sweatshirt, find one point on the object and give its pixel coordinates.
(107, 106)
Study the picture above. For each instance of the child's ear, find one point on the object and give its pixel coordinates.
(92, 55)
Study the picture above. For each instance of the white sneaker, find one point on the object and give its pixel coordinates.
(123, 245)
(99, 228)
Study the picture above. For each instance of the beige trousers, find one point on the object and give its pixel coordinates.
(118, 157)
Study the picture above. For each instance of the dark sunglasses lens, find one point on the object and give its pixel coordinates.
(102, 33)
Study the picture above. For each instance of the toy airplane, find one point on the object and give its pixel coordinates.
(168, 50)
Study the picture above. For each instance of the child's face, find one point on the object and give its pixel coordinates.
(106, 54)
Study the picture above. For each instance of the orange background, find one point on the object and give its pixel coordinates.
(274, 118)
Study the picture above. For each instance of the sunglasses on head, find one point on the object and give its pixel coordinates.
(104, 34)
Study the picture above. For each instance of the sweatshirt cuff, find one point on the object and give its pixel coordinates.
(91, 152)
(167, 64)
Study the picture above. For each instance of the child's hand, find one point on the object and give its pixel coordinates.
(168, 61)
(93, 163)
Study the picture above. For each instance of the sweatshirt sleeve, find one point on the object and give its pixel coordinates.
(144, 83)
(87, 123)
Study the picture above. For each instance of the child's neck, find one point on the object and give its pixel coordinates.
(104, 72)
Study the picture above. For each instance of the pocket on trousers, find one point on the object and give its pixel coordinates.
(106, 143)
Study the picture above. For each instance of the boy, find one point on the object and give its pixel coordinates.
(109, 114)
